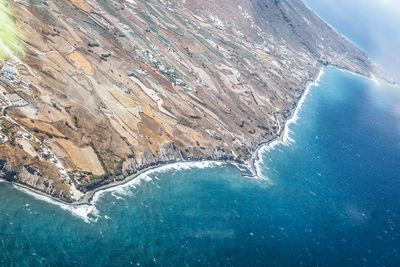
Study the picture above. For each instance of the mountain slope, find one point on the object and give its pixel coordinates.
(106, 88)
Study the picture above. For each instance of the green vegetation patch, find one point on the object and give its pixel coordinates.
(43, 12)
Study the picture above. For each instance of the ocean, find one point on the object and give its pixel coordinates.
(329, 196)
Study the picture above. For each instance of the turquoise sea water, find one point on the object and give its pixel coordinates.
(331, 198)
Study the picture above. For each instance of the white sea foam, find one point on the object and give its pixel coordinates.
(116, 196)
(126, 188)
(88, 213)
(285, 139)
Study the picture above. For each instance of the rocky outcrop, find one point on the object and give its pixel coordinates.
(32, 178)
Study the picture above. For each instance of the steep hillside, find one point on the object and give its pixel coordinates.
(92, 91)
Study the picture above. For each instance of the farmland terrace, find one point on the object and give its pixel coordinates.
(94, 91)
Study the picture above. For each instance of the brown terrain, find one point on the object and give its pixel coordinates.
(107, 88)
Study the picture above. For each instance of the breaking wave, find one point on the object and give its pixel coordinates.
(86, 212)
(285, 139)
(89, 212)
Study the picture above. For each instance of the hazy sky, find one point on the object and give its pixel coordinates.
(374, 25)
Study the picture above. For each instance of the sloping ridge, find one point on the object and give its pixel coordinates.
(116, 87)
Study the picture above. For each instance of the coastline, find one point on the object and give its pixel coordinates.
(250, 166)
(283, 136)
(87, 199)
(86, 205)
(86, 208)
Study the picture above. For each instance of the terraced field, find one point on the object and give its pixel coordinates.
(104, 88)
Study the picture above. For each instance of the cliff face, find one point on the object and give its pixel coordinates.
(105, 88)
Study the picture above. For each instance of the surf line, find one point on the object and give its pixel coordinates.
(88, 212)
(284, 137)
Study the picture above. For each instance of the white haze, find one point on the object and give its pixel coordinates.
(374, 25)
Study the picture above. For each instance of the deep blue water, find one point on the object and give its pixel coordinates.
(333, 198)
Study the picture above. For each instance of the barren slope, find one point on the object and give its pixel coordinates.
(105, 88)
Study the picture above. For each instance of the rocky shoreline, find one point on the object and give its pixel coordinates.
(204, 81)
(248, 169)
(88, 196)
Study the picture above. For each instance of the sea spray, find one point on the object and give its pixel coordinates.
(123, 189)
(329, 190)
(89, 212)
(285, 138)
(86, 212)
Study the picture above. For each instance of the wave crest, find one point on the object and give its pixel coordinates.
(89, 212)
(285, 139)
